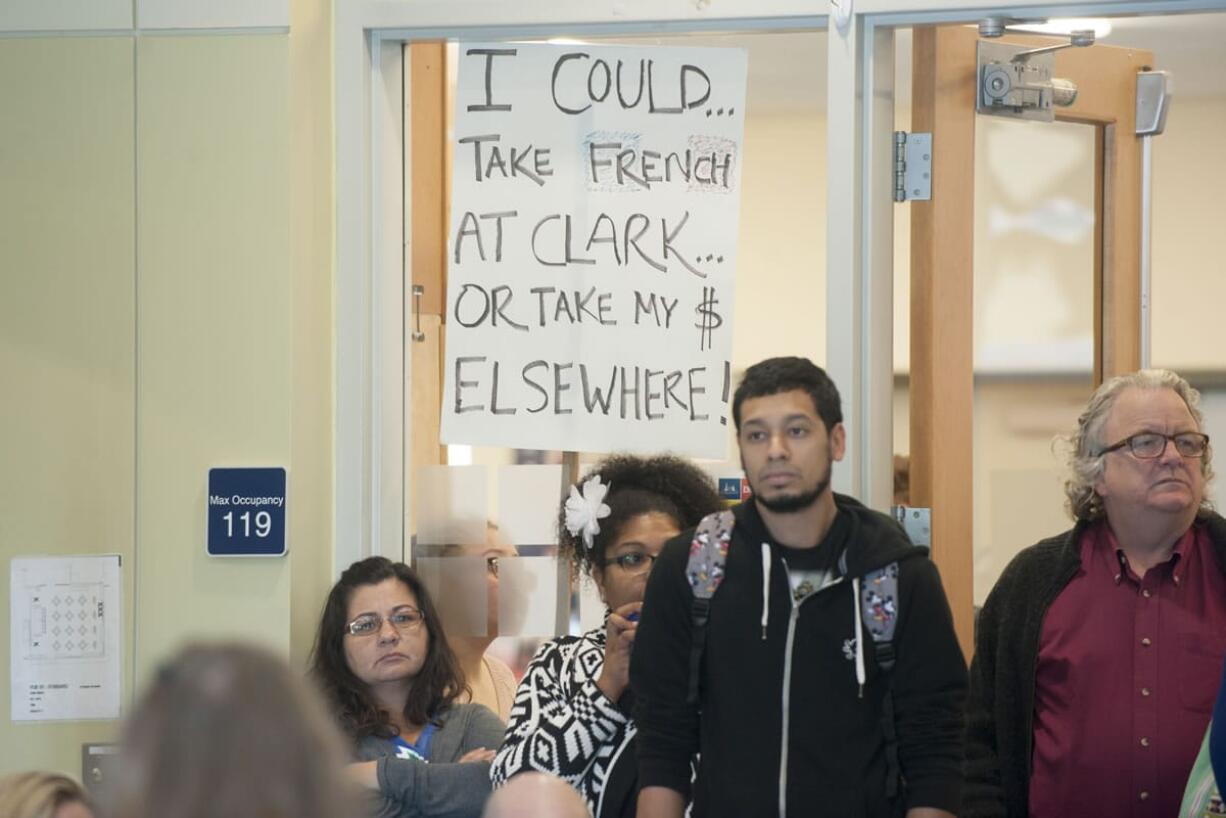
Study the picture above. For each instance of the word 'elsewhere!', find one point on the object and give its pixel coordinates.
(629, 393)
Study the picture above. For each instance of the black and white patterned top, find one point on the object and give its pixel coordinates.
(561, 723)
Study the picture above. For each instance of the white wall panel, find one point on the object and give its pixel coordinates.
(65, 15)
(178, 14)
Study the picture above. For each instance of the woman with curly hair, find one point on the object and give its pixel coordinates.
(384, 664)
(572, 712)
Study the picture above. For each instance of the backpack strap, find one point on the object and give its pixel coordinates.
(879, 612)
(705, 571)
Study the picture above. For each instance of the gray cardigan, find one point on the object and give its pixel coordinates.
(443, 788)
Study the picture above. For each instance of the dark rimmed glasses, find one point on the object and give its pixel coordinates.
(636, 562)
(1151, 445)
(404, 620)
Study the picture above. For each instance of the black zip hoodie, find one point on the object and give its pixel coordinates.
(833, 762)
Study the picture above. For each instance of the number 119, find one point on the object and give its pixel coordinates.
(263, 523)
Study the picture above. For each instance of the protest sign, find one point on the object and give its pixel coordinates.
(592, 247)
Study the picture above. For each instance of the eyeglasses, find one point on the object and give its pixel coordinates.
(491, 566)
(636, 562)
(1151, 445)
(403, 620)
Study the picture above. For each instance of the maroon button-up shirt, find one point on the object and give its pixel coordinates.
(1127, 673)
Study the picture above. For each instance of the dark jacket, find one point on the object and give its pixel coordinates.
(835, 762)
(1000, 707)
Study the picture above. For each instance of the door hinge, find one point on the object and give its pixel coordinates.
(912, 166)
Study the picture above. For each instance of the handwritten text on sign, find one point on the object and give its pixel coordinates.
(592, 247)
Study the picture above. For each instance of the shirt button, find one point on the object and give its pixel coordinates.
(1145, 691)
(1144, 795)
(1145, 640)
(1145, 593)
(1144, 741)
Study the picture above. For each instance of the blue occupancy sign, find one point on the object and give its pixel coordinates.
(246, 513)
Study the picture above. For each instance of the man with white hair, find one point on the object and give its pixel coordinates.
(1098, 653)
(535, 795)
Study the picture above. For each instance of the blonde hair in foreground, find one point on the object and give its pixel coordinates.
(37, 795)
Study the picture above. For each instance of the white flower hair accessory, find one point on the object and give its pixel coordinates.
(583, 512)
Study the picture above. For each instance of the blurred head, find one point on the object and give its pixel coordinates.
(43, 795)
(651, 500)
(790, 431)
(902, 480)
(535, 795)
(1115, 463)
(450, 592)
(228, 731)
(406, 647)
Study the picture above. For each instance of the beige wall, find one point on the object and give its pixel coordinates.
(781, 257)
(1189, 267)
(67, 332)
(165, 266)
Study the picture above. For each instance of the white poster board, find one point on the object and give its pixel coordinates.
(64, 637)
(592, 247)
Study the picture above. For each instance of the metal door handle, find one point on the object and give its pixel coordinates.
(418, 292)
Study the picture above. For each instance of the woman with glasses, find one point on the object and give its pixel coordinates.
(384, 663)
(572, 712)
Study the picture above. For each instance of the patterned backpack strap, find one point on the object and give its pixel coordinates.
(709, 552)
(705, 571)
(879, 611)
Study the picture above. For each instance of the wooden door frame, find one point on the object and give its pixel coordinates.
(427, 192)
(942, 245)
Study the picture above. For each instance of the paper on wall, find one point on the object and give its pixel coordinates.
(65, 648)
